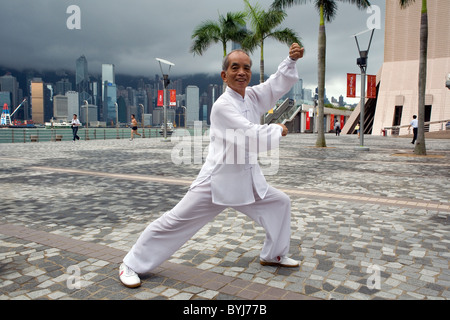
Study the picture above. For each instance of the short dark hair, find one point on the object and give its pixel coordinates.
(133, 115)
(226, 62)
(414, 116)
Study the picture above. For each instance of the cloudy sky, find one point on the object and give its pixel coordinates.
(131, 34)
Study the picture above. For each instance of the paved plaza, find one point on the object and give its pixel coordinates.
(365, 224)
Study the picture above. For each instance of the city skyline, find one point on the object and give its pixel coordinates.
(129, 99)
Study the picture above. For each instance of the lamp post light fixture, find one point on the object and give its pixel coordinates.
(362, 63)
(166, 82)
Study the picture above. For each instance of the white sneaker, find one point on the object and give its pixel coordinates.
(280, 262)
(128, 277)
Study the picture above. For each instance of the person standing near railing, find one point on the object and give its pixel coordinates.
(75, 124)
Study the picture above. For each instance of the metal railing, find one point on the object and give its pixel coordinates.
(395, 130)
(28, 135)
(277, 112)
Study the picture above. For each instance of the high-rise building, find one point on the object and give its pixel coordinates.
(307, 96)
(109, 103)
(192, 104)
(108, 73)
(60, 107)
(73, 106)
(296, 91)
(5, 97)
(109, 93)
(82, 80)
(62, 86)
(37, 100)
(10, 84)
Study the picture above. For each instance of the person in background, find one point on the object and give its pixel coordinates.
(134, 127)
(75, 123)
(338, 128)
(415, 124)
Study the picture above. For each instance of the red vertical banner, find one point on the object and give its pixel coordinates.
(351, 85)
(173, 98)
(371, 87)
(160, 98)
(308, 121)
(342, 121)
(331, 121)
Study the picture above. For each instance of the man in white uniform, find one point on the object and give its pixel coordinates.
(226, 179)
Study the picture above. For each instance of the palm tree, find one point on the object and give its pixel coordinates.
(263, 24)
(229, 28)
(327, 10)
(420, 149)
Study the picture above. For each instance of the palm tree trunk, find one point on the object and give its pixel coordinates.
(224, 46)
(321, 82)
(261, 64)
(420, 144)
(261, 73)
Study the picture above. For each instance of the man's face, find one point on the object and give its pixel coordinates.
(239, 72)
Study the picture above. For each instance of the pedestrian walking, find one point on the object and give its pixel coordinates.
(338, 128)
(415, 124)
(221, 184)
(75, 123)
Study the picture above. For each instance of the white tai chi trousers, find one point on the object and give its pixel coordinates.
(168, 233)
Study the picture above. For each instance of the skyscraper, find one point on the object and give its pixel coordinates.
(10, 84)
(109, 103)
(82, 80)
(192, 104)
(37, 100)
(73, 106)
(109, 93)
(62, 86)
(60, 107)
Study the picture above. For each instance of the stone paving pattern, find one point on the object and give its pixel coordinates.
(71, 211)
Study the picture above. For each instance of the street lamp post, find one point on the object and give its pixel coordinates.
(117, 119)
(143, 129)
(362, 63)
(166, 82)
(184, 116)
(87, 119)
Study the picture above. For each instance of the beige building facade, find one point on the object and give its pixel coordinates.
(397, 99)
(37, 101)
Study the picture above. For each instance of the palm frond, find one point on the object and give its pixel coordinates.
(405, 3)
(281, 4)
(287, 36)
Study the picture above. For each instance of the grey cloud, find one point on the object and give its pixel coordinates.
(131, 34)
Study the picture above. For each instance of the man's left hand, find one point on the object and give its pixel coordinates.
(296, 52)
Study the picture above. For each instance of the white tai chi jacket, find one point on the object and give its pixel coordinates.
(236, 137)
